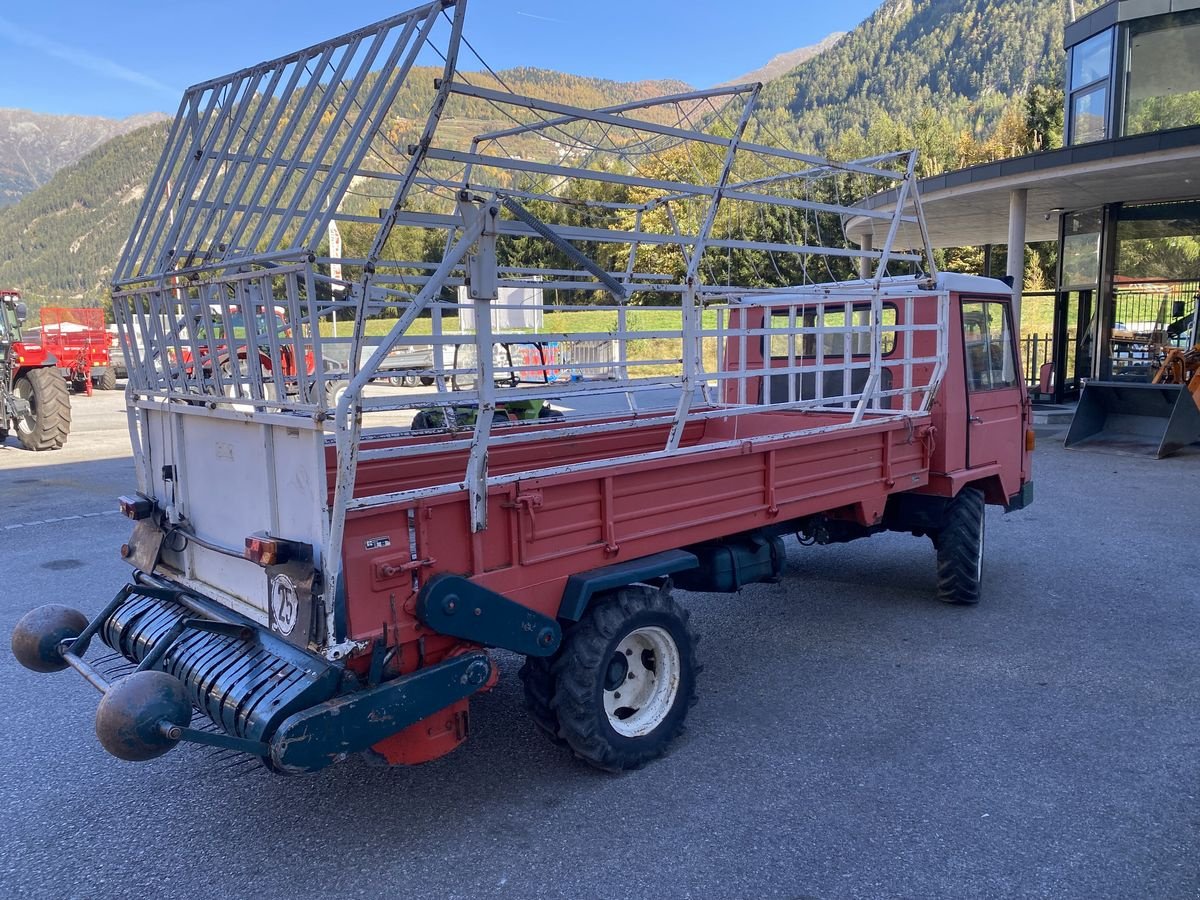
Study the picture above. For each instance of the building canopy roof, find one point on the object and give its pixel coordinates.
(970, 207)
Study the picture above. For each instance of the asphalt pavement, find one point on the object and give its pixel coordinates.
(854, 737)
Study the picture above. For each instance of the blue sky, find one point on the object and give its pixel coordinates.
(121, 57)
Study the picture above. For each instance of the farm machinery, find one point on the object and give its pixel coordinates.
(81, 344)
(313, 577)
(1155, 416)
(34, 401)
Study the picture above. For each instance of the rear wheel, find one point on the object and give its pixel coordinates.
(960, 549)
(46, 424)
(626, 678)
(105, 378)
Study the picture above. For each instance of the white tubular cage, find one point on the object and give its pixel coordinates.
(322, 248)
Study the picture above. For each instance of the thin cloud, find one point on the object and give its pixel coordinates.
(82, 59)
(535, 16)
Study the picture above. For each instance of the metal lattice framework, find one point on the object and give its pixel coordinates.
(304, 191)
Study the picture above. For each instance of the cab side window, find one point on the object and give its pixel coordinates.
(988, 341)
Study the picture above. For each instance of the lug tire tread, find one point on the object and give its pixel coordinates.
(105, 378)
(537, 678)
(959, 546)
(53, 399)
(580, 665)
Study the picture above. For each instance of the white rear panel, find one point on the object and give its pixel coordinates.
(234, 478)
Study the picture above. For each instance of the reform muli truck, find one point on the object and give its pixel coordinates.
(325, 564)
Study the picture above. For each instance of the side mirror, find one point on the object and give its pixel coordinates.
(22, 313)
(1178, 308)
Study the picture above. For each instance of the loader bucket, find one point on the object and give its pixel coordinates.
(1135, 419)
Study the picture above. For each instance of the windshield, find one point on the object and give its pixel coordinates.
(10, 328)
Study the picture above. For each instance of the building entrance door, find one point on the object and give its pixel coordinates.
(1074, 342)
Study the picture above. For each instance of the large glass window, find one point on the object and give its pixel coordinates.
(1091, 60)
(1091, 74)
(1081, 249)
(1157, 281)
(1089, 115)
(1163, 77)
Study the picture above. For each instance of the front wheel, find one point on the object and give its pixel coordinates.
(626, 678)
(960, 549)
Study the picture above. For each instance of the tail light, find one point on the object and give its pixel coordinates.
(136, 507)
(268, 551)
(1030, 440)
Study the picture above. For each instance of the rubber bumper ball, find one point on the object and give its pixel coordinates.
(141, 715)
(37, 636)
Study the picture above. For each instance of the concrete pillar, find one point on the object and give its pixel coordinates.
(864, 263)
(1018, 207)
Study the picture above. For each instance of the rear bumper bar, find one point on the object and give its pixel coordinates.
(267, 698)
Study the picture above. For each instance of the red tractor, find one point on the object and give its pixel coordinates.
(34, 400)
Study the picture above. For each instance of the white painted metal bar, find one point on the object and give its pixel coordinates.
(575, 113)
(686, 97)
(525, 165)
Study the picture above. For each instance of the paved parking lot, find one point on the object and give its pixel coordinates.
(854, 737)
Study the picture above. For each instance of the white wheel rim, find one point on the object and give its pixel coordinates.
(649, 683)
(27, 422)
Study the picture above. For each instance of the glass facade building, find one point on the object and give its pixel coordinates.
(1128, 273)
(1133, 67)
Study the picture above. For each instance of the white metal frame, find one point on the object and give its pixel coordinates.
(646, 202)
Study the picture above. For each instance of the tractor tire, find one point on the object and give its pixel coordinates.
(49, 420)
(626, 678)
(105, 378)
(333, 393)
(959, 545)
(537, 677)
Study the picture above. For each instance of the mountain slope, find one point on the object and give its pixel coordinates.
(61, 242)
(785, 62)
(34, 146)
(964, 59)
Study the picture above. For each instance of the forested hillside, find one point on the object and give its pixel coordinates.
(62, 241)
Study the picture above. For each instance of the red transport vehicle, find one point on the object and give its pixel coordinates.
(229, 341)
(317, 579)
(80, 343)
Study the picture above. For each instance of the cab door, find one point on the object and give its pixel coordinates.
(995, 392)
